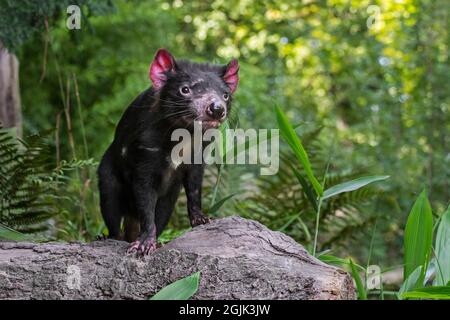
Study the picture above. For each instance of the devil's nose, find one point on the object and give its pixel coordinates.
(216, 110)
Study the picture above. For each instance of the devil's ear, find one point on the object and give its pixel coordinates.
(231, 76)
(161, 65)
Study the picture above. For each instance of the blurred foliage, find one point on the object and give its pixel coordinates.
(26, 183)
(343, 219)
(32, 190)
(20, 20)
(373, 74)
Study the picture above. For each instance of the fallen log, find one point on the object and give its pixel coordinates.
(237, 259)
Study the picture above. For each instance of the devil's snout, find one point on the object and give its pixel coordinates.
(216, 110)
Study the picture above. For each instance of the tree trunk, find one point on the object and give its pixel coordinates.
(237, 259)
(10, 111)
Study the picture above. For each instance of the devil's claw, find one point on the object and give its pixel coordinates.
(134, 246)
(142, 248)
(199, 219)
(101, 237)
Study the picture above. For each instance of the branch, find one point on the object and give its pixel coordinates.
(237, 258)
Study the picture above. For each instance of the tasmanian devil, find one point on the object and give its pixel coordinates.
(138, 181)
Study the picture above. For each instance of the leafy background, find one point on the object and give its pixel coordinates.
(366, 84)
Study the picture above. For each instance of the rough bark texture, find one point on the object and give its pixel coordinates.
(237, 258)
(10, 111)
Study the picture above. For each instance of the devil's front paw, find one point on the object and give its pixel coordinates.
(101, 237)
(144, 247)
(198, 219)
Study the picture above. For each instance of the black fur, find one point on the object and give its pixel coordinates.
(138, 184)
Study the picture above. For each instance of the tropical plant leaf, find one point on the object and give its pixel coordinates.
(336, 261)
(306, 188)
(182, 289)
(434, 292)
(442, 250)
(281, 202)
(362, 295)
(296, 145)
(220, 203)
(418, 238)
(351, 185)
(10, 234)
(410, 282)
(223, 136)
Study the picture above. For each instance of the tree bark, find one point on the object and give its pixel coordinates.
(237, 259)
(10, 110)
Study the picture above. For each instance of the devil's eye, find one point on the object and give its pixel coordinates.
(185, 90)
(226, 96)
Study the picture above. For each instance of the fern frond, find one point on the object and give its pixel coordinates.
(25, 181)
(281, 203)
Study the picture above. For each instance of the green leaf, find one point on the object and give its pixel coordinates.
(362, 295)
(296, 145)
(241, 147)
(336, 261)
(434, 292)
(223, 135)
(182, 289)
(410, 282)
(219, 203)
(10, 234)
(351, 185)
(418, 238)
(442, 250)
(306, 188)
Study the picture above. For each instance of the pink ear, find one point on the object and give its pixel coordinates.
(162, 63)
(231, 76)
